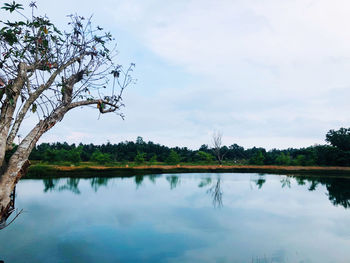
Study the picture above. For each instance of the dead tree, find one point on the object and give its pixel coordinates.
(47, 72)
(217, 146)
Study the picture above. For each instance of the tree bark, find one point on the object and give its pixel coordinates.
(7, 184)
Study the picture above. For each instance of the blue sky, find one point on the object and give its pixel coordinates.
(266, 73)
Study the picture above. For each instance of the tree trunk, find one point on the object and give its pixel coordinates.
(18, 163)
(7, 183)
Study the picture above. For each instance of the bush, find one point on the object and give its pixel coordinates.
(203, 156)
(101, 158)
(173, 158)
(257, 159)
(140, 158)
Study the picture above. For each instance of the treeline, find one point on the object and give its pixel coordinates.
(335, 154)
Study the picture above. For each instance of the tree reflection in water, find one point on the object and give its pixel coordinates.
(216, 194)
(285, 181)
(138, 180)
(174, 181)
(71, 184)
(97, 182)
(152, 178)
(259, 181)
(338, 187)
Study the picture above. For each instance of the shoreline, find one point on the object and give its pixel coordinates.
(39, 171)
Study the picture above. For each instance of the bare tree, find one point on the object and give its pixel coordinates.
(217, 146)
(47, 72)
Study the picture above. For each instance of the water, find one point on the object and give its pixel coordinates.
(181, 218)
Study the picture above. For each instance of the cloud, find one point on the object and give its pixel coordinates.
(274, 72)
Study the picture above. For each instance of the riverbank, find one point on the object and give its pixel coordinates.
(42, 171)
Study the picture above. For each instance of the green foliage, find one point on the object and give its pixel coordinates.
(139, 140)
(101, 158)
(283, 159)
(74, 156)
(140, 151)
(153, 159)
(303, 160)
(12, 7)
(140, 158)
(300, 160)
(173, 158)
(339, 138)
(257, 159)
(204, 157)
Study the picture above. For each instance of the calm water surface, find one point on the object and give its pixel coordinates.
(181, 218)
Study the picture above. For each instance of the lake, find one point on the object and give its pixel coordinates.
(229, 217)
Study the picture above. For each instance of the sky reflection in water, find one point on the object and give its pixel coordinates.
(181, 218)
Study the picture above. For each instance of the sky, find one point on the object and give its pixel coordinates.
(270, 73)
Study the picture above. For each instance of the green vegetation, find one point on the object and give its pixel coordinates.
(140, 158)
(101, 158)
(173, 158)
(149, 153)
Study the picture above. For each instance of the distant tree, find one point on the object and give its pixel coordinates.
(203, 156)
(217, 144)
(139, 140)
(257, 159)
(153, 159)
(101, 158)
(74, 155)
(173, 158)
(339, 138)
(235, 152)
(140, 158)
(204, 148)
(283, 159)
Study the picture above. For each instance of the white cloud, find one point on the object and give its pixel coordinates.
(270, 72)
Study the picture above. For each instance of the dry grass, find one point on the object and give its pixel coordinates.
(212, 167)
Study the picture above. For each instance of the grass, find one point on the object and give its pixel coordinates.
(91, 169)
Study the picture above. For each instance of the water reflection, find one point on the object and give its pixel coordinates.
(259, 180)
(338, 188)
(285, 181)
(170, 218)
(70, 184)
(138, 180)
(97, 182)
(216, 193)
(174, 181)
(5, 220)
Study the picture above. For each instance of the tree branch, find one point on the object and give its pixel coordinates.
(34, 96)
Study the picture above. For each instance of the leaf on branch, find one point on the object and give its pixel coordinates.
(116, 72)
(34, 108)
(12, 7)
(100, 106)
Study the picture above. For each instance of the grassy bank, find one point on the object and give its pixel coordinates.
(89, 170)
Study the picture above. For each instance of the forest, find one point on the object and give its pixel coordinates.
(335, 153)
